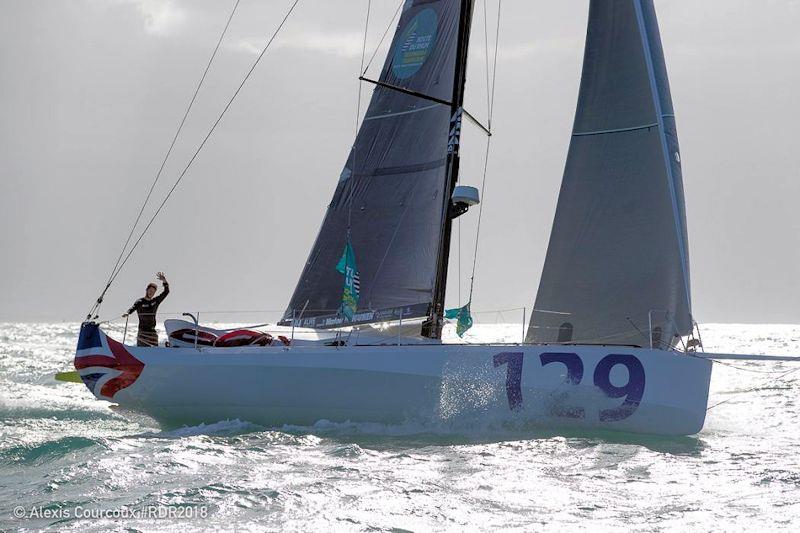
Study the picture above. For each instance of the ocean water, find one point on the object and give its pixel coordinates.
(69, 462)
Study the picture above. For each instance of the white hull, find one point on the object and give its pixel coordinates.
(593, 387)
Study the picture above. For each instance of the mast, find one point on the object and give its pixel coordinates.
(432, 328)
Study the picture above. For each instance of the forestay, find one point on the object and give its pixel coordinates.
(388, 201)
(618, 259)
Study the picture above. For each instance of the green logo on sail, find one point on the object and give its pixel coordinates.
(347, 266)
(415, 44)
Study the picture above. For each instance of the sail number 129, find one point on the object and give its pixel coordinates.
(632, 391)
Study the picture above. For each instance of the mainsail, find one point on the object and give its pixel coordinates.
(617, 266)
(391, 202)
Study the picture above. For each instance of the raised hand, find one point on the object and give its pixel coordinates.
(161, 277)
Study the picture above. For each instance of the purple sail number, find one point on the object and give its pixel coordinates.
(574, 376)
(513, 361)
(570, 360)
(633, 390)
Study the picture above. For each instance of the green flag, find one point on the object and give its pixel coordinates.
(347, 266)
(464, 318)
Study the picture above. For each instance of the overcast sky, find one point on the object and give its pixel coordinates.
(91, 92)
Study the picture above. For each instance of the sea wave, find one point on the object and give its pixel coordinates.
(60, 448)
(42, 452)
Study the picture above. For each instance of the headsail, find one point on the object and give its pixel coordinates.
(389, 201)
(618, 256)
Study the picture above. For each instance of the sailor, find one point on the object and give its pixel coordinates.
(146, 309)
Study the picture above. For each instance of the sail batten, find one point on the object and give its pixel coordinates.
(617, 130)
(398, 113)
(617, 268)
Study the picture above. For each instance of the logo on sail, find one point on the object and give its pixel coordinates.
(352, 282)
(415, 44)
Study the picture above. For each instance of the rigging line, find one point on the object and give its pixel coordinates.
(591, 340)
(753, 389)
(494, 63)
(480, 216)
(385, 33)
(459, 260)
(358, 117)
(744, 369)
(172, 145)
(497, 311)
(486, 158)
(208, 135)
(361, 67)
(486, 55)
(586, 340)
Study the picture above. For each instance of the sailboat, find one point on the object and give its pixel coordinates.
(611, 342)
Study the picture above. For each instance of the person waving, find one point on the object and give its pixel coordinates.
(146, 309)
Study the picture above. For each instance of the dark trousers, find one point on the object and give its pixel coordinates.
(147, 337)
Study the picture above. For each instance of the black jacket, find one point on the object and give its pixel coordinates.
(146, 309)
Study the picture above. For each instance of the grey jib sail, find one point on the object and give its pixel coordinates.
(389, 196)
(618, 261)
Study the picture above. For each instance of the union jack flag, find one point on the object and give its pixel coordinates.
(105, 366)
